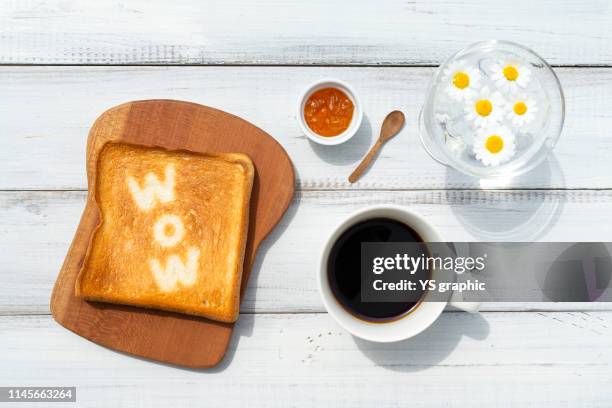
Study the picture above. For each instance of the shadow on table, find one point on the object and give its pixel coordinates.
(537, 214)
(430, 347)
(348, 152)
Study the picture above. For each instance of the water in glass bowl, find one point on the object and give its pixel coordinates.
(493, 109)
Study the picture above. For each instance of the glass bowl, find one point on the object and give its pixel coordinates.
(450, 137)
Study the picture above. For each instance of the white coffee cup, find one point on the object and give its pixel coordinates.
(420, 317)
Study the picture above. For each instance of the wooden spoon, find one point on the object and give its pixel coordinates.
(391, 126)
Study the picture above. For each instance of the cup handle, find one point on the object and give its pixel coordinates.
(456, 300)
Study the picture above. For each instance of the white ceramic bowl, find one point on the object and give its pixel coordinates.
(355, 121)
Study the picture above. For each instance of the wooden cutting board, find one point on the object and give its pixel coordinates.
(170, 337)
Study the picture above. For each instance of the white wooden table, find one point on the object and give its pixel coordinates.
(64, 62)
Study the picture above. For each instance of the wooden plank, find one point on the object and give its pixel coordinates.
(37, 228)
(51, 109)
(489, 359)
(314, 32)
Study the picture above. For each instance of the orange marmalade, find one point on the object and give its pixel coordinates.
(328, 112)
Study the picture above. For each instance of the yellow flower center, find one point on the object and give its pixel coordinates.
(511, 73)
(484, 107)
(494, 144)
(461, 80)
(520, 108)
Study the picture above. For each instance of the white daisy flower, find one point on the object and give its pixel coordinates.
(486, 108)
(521, 110)
(495, 145)
(510, 76)
(461, 80)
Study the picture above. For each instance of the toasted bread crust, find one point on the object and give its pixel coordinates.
(172, 232)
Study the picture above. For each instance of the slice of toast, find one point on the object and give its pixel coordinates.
(172, 233)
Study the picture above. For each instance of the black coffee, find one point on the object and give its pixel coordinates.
(344, 267)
